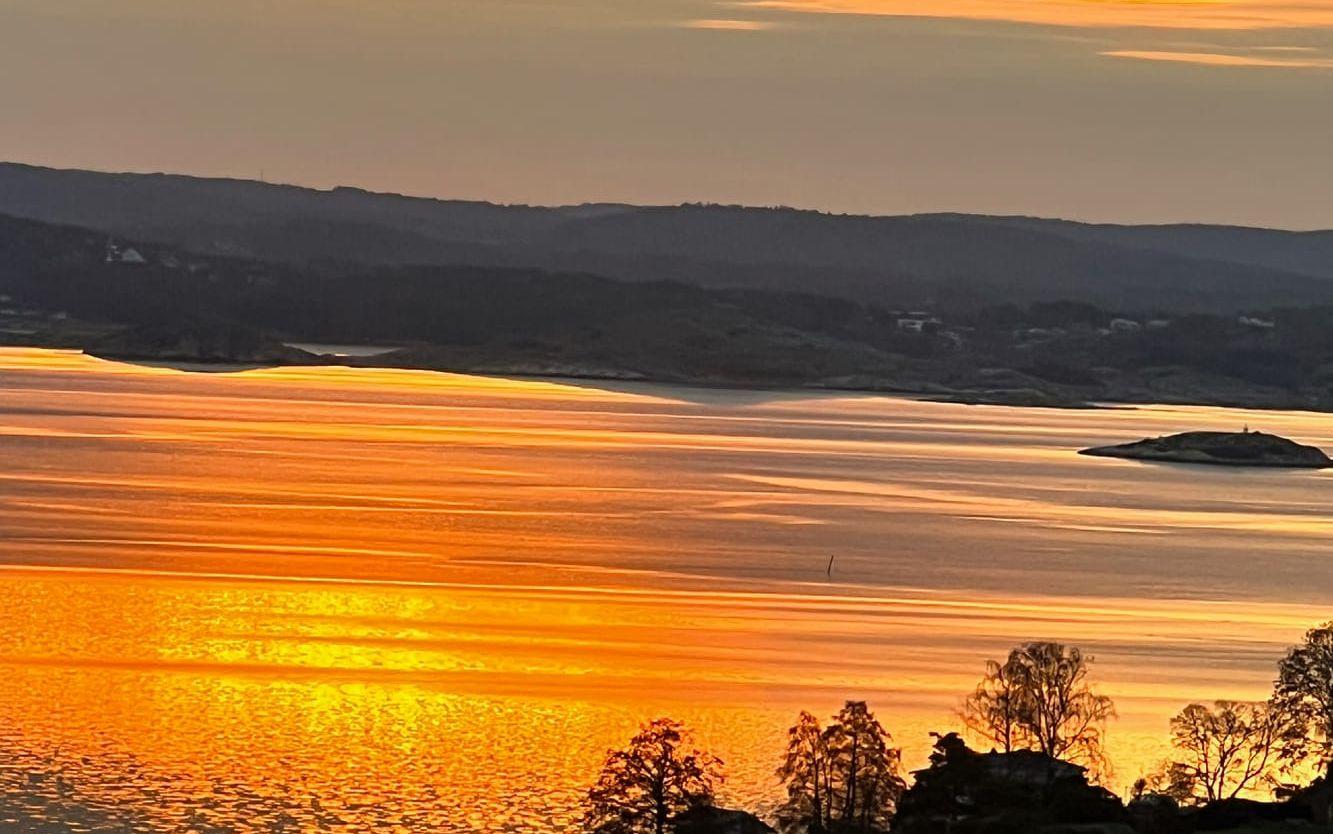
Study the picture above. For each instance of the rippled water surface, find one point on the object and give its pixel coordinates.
(298, 599)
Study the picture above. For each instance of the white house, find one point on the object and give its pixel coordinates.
(917, 322)
(128, 255)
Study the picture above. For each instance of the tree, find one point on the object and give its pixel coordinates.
(842, 778)
(805, 772)
(864, 767)
(992, 711)
(658, 776)
(1226, 749)
(1305, 690)
(1040, 699)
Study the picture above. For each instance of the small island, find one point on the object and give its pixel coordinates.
(1244, 448)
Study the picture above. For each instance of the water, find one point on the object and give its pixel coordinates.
(285, 599)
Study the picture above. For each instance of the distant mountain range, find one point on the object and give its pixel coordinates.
(942, 261)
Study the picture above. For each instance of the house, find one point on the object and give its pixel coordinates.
(128, 255)
(1022, 790)
(917, 322)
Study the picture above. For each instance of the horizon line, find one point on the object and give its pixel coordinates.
(594, 203)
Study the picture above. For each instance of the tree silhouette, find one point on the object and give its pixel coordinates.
(1040, 699)
(1225, 750)
(841, 778)
(992, 711)
(644, 786)
(805, 771)
(1305, 690)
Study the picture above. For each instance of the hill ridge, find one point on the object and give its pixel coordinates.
(928, 259)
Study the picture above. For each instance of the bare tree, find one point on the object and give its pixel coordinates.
(993, 710)
(1305, 690)
(643, 787)
(1224, 750)
(1040, 699)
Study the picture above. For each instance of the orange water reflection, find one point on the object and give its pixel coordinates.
(428, 602)
(445, 708)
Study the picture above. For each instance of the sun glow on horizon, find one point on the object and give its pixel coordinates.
(1214, 59)
(1223, 15)
(728, 25)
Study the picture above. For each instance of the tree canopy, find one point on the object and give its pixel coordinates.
(1305, 689)
(1040, 699)
(844, 777)
(1224, 750)
(657, 777)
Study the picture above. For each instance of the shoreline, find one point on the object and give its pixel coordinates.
(921, 390)
(926, 392)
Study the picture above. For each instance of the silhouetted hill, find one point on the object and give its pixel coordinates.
(206, 307)
(1309, 253)
(955, 261)
(70, 286)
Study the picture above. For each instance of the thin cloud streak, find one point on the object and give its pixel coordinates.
(1214, 59)
(724, 25)
(1218, 15)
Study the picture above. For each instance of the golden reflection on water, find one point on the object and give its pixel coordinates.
(439, 708)
(430, 602)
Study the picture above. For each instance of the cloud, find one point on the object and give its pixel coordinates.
(1215, 59)
(725, 25)
(1220, 15)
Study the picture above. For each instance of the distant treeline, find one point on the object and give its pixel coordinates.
(1044, 724)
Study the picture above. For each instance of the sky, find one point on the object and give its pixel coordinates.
(1110, 110)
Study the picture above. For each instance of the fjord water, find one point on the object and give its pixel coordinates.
(280, 599)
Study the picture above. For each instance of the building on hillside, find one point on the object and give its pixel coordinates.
(127, 255)
(917, 322)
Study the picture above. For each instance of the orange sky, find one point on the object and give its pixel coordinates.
(1166, 14)
(1109, 110)
(1182, 17)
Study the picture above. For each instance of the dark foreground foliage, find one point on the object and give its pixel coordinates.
(1046, 723)
(999, 792)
